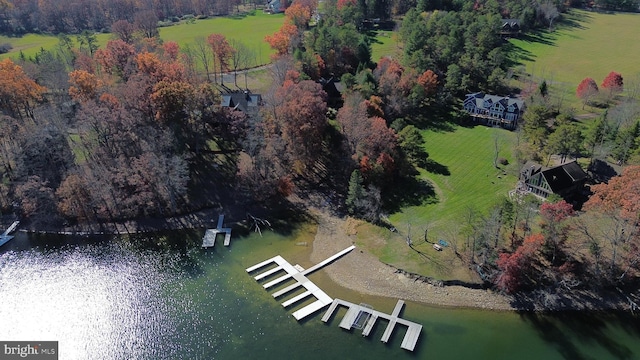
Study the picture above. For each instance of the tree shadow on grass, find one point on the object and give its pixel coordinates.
(410, 192)
(435, 167)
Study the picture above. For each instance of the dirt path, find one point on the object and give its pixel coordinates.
(363, 272)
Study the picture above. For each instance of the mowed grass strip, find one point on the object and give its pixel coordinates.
(473, 182)
(585, 44)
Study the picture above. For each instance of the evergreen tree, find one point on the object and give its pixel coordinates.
(356, 192)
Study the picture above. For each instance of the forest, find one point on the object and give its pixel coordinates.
(136, 129)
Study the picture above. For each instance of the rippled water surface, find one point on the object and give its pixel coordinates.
(149, 298)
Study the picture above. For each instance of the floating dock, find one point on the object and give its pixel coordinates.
(300, 277)
(5, 237)
(356, 312)
(209, 239)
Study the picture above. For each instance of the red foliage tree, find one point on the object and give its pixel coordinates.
(222, 51)
(115, 57)
(429, 81)
(171, 50)
(556, 212)
(621, 195)
(515, 267)
(586, 90)
(613, 82)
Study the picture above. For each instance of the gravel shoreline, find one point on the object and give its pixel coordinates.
(362, 272)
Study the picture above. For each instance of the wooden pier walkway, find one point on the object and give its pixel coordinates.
(5, 237)
(322, 299)
(353, 311)
(209, 239)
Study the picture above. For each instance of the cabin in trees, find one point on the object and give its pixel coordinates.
(494, 110)
(510, 27)
(244, 101)
(566, 180)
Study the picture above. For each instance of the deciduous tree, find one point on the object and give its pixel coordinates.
(302, 118)
(515, 267)
(84, 85)
(587, 90)
(282, 39)
(17, 91)
(613, 83)
(222, 52)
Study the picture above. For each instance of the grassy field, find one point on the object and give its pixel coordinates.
(472, 182)
(385, 43)
(585, 44)
(250, 30)
(30, 44)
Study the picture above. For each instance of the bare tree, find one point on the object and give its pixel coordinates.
(240, 59)
(147, 23)
(549, 10)
(203, 53)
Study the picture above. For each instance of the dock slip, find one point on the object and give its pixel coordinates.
(355, 314)
(300, 277)
(209, 239)
(5, 237)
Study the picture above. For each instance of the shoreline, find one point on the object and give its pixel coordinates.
(364, 273)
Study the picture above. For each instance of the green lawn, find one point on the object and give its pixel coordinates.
(585, 44)
(250, 30)
(473, 182)
(385, 43)
(30, 44)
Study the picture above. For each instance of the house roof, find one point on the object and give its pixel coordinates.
(510, 23)
(243, 101)
(505, 101)
(563, 176)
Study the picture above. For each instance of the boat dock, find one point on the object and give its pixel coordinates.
(355, 313)
(300, 277)
(5, 237)
(209, 239)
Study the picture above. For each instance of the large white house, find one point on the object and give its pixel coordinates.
(494, 110)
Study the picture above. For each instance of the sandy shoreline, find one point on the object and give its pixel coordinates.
(364, 273)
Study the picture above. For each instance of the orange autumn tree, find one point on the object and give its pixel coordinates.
(280, 41)
(299, 15)
(17, 90)
(84, 85)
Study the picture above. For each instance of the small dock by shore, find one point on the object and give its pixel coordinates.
(209, 239)
(300, 277)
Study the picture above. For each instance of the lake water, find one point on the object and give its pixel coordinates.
(150, 298)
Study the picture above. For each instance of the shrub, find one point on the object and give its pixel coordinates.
(503, 161)
(5, 48)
